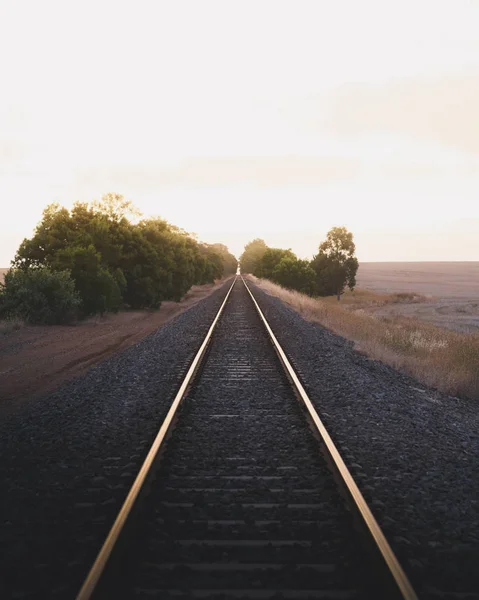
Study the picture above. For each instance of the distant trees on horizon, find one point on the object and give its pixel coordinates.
(329, 272)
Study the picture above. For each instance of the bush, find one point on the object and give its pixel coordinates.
(39, 296)
(270, 260)
(10, 324)
(295, 274)
(98, 289)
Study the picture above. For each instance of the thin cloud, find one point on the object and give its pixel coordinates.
(262, 172)
(440, 110)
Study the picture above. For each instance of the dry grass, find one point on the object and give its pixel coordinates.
(444, 359)
(9, 325)
(360, 298)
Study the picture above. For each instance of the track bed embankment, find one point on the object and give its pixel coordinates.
(413, 450)
(243, 503)
(67, 459)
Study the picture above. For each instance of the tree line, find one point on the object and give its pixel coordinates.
(94, 258)
(330, 271)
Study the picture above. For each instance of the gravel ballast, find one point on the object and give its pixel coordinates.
(413, 451)
(243, 504)
(68, 459)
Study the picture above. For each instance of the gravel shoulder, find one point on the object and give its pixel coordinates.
(413, 450)
(67, 460)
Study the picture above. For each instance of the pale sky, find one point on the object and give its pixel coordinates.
(242, 119)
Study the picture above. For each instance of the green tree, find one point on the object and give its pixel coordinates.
(269, 261)
(335, 264)
(230, 264)
(115, 207)
(98, 288)
(114, 261)
(295, 274)
(252, 255)
(53, 233)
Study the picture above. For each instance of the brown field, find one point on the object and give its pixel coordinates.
(2, 274)
(450, 291)
(36, 358)
(444, 279)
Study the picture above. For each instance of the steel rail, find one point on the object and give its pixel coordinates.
(96, 571)
(402, 582)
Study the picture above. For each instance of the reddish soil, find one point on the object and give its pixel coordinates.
(36, 359)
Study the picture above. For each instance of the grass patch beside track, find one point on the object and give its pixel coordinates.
(442, 358)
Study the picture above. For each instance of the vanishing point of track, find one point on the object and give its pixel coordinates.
(243, 494)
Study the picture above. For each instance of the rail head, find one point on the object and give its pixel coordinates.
(396, 571)
(90, 583)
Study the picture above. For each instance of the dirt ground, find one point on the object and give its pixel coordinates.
(451, 290)
(35, 359)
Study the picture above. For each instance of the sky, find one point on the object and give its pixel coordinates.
(243, 119)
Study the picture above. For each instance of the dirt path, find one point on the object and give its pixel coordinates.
(36, 359)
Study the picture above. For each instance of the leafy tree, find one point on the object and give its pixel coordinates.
(114, 261)
(115, 207)
(98, 288)
(213, 264)
(295, 274)
(252, 255)
(39, 296)
(230, 264)
(270, 260)
(335, 264)
(52, 234)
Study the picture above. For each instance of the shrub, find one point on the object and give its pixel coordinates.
(270, 260)
(10, 324)
(97, 287)
(295, 274)
(39, 296)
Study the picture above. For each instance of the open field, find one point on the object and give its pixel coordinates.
(37, 358)
(449, 290)
(442, 279)
(2, 274)
(436, 356)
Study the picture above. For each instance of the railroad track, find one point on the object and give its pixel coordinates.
(243, 494)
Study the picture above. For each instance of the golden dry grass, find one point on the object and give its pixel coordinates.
(360, 298)
(444, 359)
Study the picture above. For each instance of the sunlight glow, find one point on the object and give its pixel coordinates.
(243, 119)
